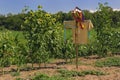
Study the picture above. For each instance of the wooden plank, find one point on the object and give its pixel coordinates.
(82, 34)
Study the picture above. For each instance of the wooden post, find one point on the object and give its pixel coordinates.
(76, 48)
(76, 44)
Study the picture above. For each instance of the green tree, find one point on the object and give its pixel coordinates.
(102, 21)
(5, 50)
(19, 56)
(116, 19)
(43, 35)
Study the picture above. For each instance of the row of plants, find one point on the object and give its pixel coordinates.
(12, 51)
(64, 75)
(40, 76)
(67, 73)
(108, 62)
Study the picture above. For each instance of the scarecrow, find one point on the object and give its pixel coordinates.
(79, 17)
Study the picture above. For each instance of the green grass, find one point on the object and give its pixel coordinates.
(108, 62)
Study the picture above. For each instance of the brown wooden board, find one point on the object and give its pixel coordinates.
(80, 36)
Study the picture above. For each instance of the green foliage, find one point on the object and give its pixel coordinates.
(15, 74)
(83, 50)
(66, 73)
(68, 51)
(102, 20)
(116, 19)
(5, 49)
(58, 78)
(19, 56)
(103, 28)
(12, 51)
(113, 61)
(42, 33)
(40, 77)
(46, 77)
(67, 47)
(61, 16)
(115, 40)
(19, 79)
(93, 72)
(12, 22)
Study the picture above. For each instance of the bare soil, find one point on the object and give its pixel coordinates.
(52, 68)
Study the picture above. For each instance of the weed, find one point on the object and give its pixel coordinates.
(66, 73)
(113, 61)
(15, 74)
(46, 77)
(19, 79)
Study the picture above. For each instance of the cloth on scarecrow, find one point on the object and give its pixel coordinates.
(79, 17)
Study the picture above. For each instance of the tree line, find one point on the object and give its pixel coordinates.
(14, 21)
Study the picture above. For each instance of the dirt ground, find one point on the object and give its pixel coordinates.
(52, 67)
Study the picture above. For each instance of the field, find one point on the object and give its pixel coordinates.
(57, 69)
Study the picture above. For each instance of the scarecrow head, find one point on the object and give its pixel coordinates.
(78, 16)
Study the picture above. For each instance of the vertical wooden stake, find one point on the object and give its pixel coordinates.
(76, 55)
(76, 44)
